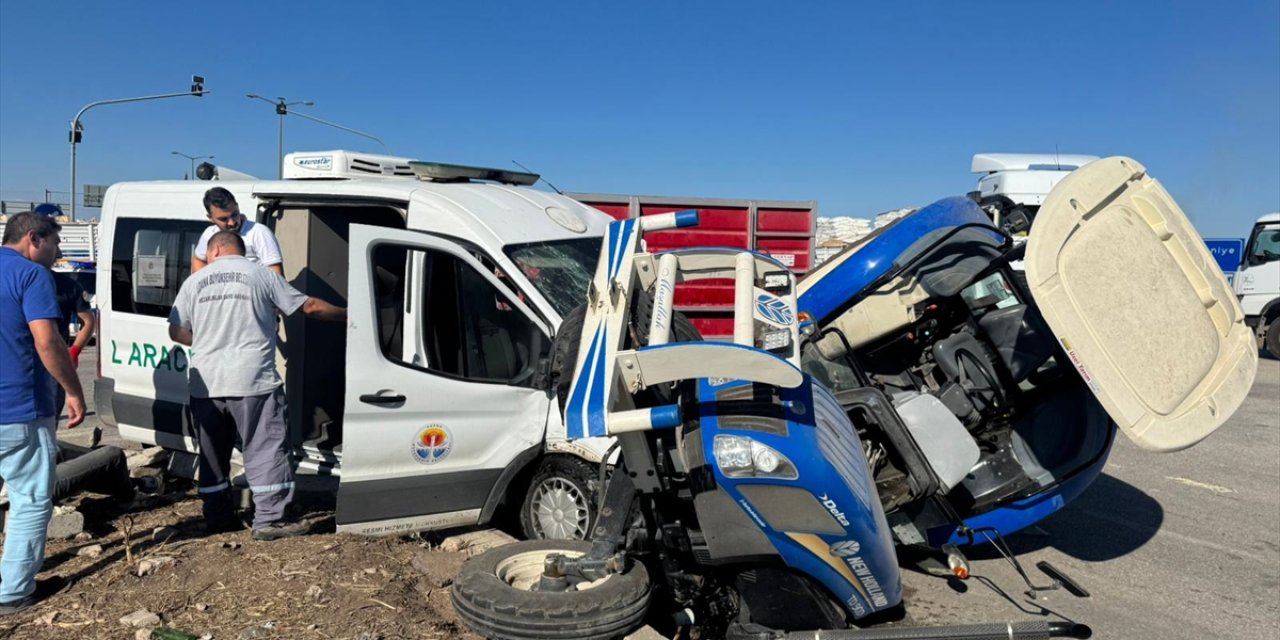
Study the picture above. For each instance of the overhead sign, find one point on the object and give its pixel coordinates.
(93, 194)
(1227, 252)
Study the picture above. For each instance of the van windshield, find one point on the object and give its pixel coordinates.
(561, 270)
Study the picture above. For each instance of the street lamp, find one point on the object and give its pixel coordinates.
(282, 109)
(75, 135)
(192, 175)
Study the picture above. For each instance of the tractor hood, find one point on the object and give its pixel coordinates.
(1139, 305)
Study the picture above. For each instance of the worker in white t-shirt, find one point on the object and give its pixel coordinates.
(224, 212)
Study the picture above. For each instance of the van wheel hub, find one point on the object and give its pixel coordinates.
(560, 510)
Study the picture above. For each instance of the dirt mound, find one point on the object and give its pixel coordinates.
(155, 558)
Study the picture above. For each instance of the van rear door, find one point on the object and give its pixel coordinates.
(1139, 305)
(443, 389)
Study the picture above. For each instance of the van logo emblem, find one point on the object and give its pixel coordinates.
(566, 219)
(432, 444)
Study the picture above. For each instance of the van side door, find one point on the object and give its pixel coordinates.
(443, 390)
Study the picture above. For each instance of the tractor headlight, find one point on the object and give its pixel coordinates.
(742, 457)
(775, 340)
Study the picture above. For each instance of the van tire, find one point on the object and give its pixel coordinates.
(493, 608)
(565, 484)
(1272, 339)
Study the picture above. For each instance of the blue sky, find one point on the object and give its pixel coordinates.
(863, 108)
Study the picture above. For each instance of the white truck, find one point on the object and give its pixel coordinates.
(1257, 282)
(1014, 185)
(434, 403)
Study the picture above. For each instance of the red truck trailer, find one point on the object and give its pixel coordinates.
(782, 229)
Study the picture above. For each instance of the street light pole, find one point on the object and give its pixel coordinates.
(192, 175)
(197, 90)
(282, 109)
(347, 129)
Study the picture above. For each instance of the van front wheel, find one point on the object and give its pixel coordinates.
(561, 501)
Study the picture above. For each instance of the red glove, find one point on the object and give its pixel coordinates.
(75, 356)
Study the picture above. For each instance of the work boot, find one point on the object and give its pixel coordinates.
(279, 529)
(44, 589)
(21, 604)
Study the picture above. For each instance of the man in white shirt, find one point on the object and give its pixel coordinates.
(260, 244)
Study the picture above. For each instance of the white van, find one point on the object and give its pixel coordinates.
(432, 404)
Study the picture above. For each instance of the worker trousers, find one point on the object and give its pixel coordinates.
(259, 421)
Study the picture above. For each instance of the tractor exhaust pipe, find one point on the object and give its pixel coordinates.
(1027, 630)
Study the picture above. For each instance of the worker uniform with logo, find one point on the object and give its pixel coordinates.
(230, 308)
(260, 244)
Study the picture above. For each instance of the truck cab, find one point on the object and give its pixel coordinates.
(432, 404)
(1257, 282)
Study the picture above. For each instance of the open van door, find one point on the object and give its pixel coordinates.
(443, 385)
(1139, 305)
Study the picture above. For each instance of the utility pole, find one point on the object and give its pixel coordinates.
(197, 90)
(282, 110)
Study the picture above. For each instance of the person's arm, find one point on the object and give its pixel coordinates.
(179, 317)
(82, 338)
(53, 354)
(180, 335)
(87, 324)
(289, 301)
(200, 254)
(268, 248)
(321, 310)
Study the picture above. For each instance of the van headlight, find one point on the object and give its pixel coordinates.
(743, 457)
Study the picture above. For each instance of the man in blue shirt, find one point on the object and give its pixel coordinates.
(32, 357)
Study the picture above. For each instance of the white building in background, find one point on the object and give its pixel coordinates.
(834, 234)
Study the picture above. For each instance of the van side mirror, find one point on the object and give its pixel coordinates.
(542, 373)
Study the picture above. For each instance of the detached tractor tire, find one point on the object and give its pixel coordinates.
(561, 501)
(493, 595)
(1272, 339)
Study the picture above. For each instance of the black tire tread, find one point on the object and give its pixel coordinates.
(495, 609)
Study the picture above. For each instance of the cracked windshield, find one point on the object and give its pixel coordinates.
(561, 270)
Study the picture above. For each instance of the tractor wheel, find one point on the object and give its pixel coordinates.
(494, 595)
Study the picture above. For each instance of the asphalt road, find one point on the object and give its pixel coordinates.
(1170, 546)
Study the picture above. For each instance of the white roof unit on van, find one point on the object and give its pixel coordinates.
(992, 162)
(339, 164)
(302, 165)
